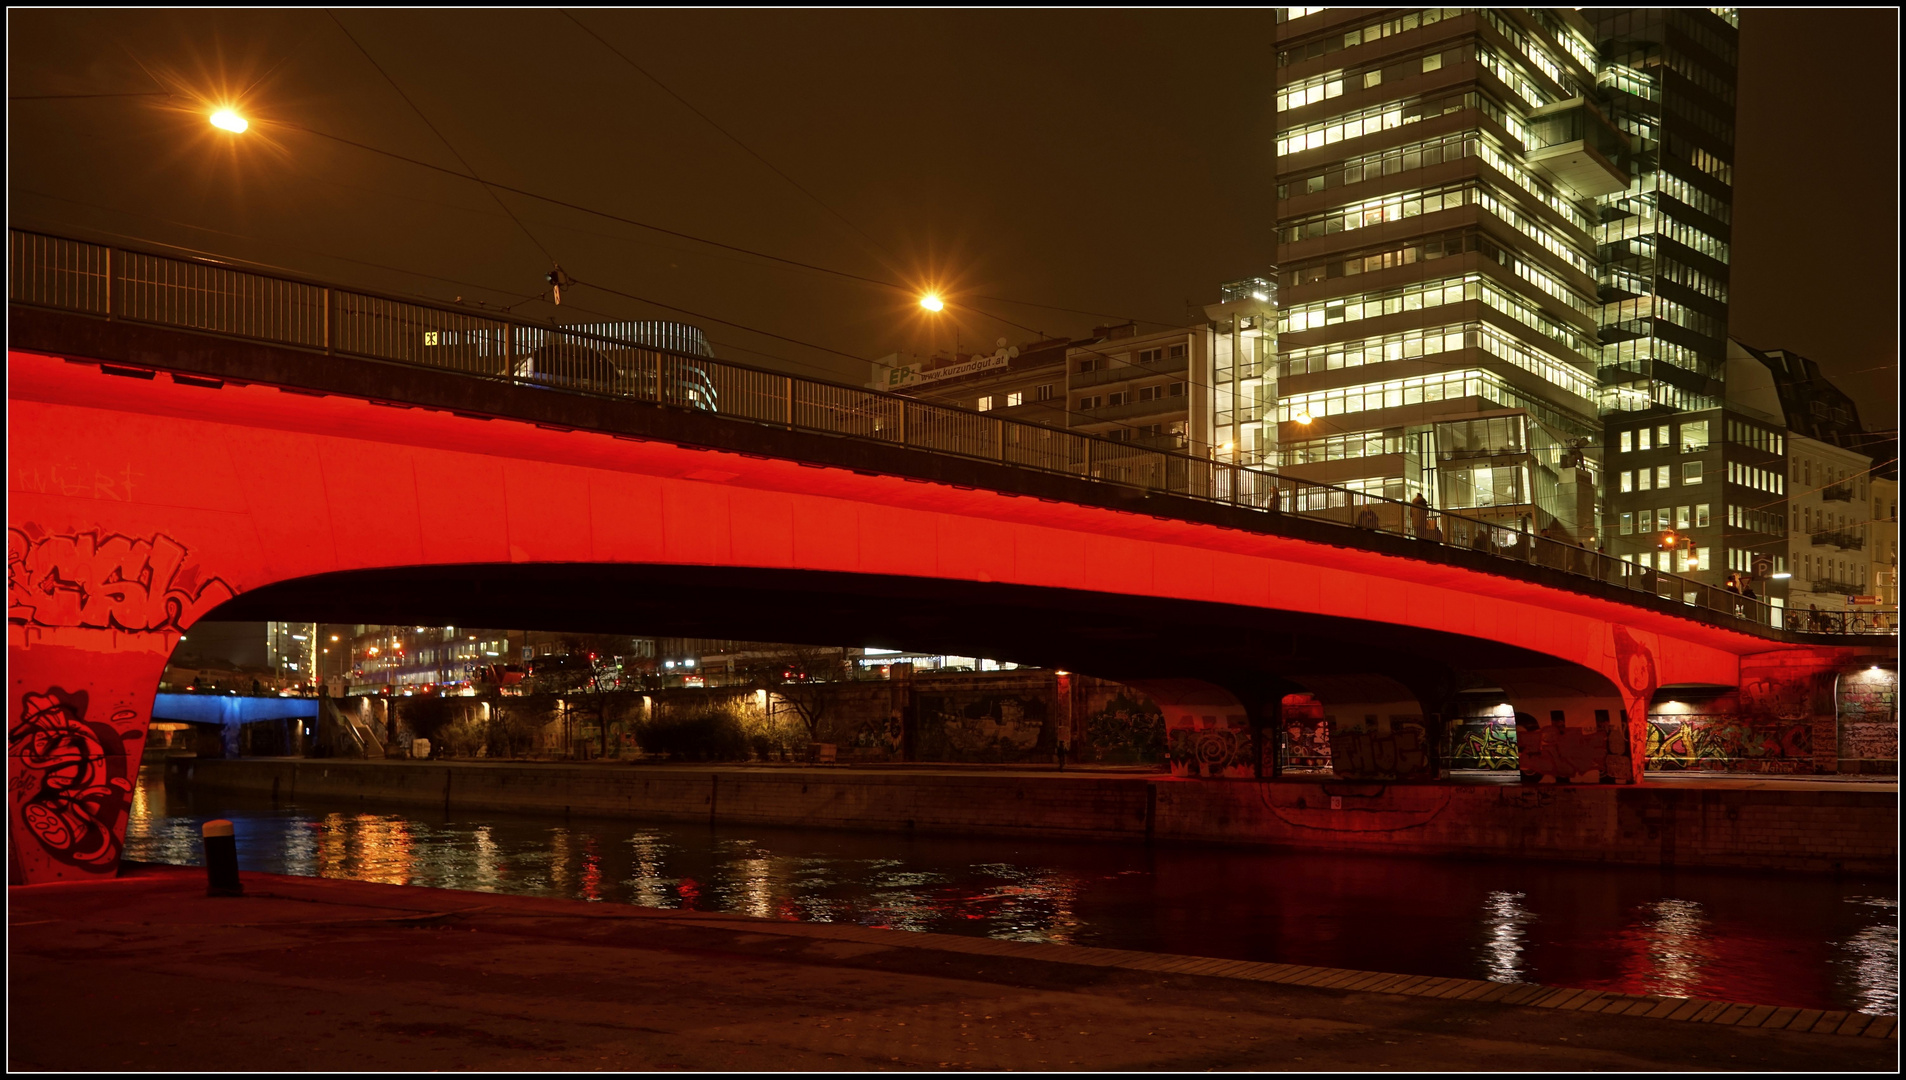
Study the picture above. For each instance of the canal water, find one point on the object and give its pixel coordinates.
(1766, 938)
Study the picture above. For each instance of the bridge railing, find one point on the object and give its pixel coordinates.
(210, 297)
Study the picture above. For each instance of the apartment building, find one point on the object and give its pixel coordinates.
(1883, 557)
(1831, 550)
(1155, 390)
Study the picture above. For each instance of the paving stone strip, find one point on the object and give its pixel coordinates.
(1653, 1007)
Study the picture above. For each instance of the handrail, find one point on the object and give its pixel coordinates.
(213, 297)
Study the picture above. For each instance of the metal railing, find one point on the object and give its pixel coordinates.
(1840, 538)
(212, 298)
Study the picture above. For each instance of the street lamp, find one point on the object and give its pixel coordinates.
(932, 302)
(227, 120)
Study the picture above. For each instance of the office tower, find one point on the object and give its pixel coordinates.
(1667, 80)
(1499, 230)
(1439, 174)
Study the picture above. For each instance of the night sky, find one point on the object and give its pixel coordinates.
(1114, 163)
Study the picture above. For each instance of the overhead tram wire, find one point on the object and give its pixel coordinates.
(816, 199)
(440, 137)
(710, 121)
(607, 215)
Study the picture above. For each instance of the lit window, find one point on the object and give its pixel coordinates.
(1015, 398)
(1627, 481)
(1371, 78)
(985, 404)
(1643, 439)
(1627, 441)
(1661, 437)
(1646, 478)
(1661, 476)
(1691, 472)
(1683, 517)
(1701, 516)
(1432, 62)
(1627, 524)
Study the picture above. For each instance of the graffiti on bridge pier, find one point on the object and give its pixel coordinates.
(1374, 750)
(70, 781)
(1210, 746)
(105, 581)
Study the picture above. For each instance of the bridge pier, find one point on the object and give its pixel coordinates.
(1208, 730)
(77, 721)
(1380, 729)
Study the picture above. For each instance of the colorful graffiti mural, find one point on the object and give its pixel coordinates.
(987, 727)
(1126, 731)
(1480, 744)
(1728, 743)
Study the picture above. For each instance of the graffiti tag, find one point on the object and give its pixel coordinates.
(106, 582)
(72, 789)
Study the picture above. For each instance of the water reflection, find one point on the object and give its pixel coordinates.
(1871, 955)
(1807, 942)
(1503, 920)
(1675, 947)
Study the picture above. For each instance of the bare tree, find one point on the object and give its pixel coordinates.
(799, 675)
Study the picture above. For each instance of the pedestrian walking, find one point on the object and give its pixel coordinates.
(1419, 517)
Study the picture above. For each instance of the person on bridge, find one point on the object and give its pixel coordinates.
(1419, 517)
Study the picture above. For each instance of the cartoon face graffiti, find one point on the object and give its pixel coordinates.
(71, 788)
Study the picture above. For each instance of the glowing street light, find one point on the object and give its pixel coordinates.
(932, 302)
(1303, 417)
(228, 120)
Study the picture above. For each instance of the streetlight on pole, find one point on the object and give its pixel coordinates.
(934, 304)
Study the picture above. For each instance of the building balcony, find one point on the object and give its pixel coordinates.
(1176, 408)
(1116, 372)
(1837, 493)
(1844, 588)
(1847, 541)
(1573, 144)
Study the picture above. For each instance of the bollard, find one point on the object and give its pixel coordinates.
(221, 860)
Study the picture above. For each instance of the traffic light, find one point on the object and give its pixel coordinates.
(1669, 541)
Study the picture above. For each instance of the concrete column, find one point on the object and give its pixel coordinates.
(1573, 740)
(1379, 728)
(1207, 729)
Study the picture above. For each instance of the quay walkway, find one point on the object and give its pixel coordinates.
(145, 972)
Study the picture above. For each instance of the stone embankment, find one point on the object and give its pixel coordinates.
(1769, 825)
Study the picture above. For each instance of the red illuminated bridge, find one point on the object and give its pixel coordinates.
(191, 440)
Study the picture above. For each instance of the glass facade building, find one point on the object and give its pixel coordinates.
(1498, 231)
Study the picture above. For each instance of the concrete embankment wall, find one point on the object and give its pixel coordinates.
(1761, 828)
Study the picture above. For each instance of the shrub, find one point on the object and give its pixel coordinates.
(703, 733)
